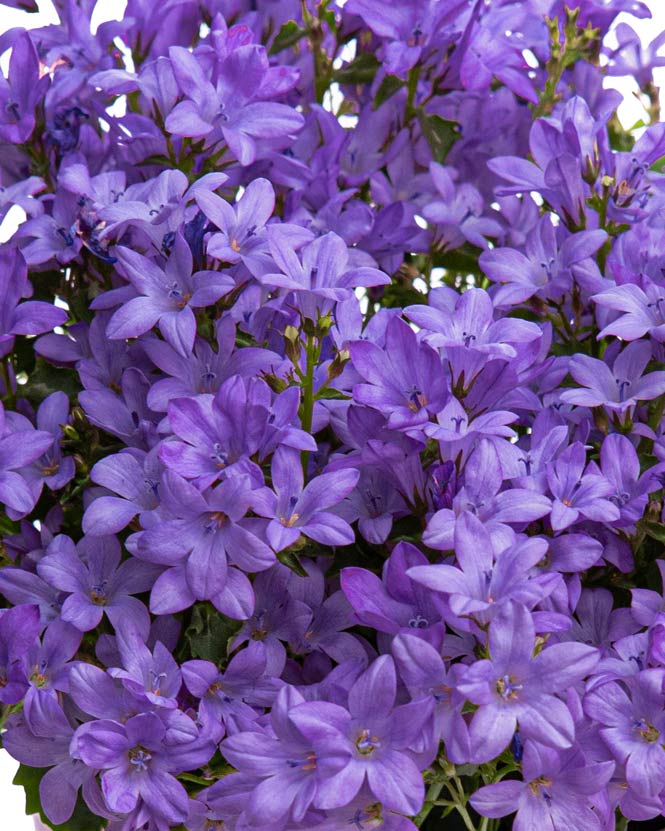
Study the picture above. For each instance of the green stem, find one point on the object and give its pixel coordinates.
(458, 796)
(622, 823)
(10, 395)
(312, 355)
(412, 88)
(430, 801)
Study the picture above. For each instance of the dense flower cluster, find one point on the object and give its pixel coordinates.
(332, 448)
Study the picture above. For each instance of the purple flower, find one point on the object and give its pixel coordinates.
(546, 268)
(396, 603)
(20, 445)
(277, 617)
(138, 761)
(555, 792)
(633, 720)
(167, 296)
(97, 582)
(368, 743)
(578, 490)
(46, 744)
(216, 442)
(49, 667)
(28, 318)
(241, 236)
(284, 760)
(642, 310)
(374, 502)
(152, 677)
(236, 697)
(20, 93)
(481, 495)
(487, 579)
(405, 380)
(633, 58)
(467, 321)
(19, 629)
(513, 686)
(321, 275)
(620, 388)
(53, 469)
(458, 216)
(232, 108)
(295, 508)
(132, 474)
(430, 683)
(204, 369)
(207, 530)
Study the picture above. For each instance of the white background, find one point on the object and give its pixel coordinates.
(12, 803)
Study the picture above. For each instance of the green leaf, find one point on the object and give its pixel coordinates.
(288, 35)
(440, 133)
(656, 530)
(399, 295)
(361, 70)
(291, 560)
(46, 379)
(81, 820)
(8, 526)
(209, 632)
(389, 86)
(329, 393)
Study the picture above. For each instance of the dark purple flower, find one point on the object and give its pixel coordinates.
(20, 93)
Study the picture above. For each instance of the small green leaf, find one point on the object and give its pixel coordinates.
(8, 526)
(656, 530)
(389, 86)
(361, 70)
(29, 778)
(209, 632)
(291, 560)
(46, 379)
(288, 35)
(440, 133)
(331, 394)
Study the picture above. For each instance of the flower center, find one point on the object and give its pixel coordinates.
(157, 679)
(98, 594)
(139, 758)
(366, 743)
(622, 385)
(217, 520)
(371, 812)
(538, 787)
(508, 687)
(646, 730)
(308, 763)
(417, 399)
(38, 675)
(50, 469)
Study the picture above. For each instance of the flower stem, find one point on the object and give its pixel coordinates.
(430, 801)
(312, 355)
